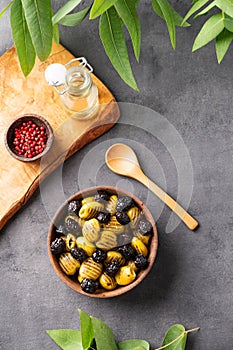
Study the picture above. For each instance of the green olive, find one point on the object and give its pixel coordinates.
(88, 200)
(81, 222)
(115, 256)
(111, 205)
(108, 240)
(90, 210)
(70, 242)
(68, 264)
(87, 246)
(139, 246)
(144, 238)
(114, 226)
(132, 265)
(80, 279)
(125, 275)
(107, 282)
(90, 269)
(91, 230)
(134, 214)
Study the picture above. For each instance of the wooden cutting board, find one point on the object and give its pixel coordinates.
(18, 180)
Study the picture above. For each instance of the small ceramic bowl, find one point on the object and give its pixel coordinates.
(72, 281)
(10, 135)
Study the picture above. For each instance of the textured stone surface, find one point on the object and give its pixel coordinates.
(191, 281)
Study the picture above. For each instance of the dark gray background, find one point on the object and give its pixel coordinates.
(191, 282)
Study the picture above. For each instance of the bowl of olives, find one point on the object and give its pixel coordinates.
(102, 242)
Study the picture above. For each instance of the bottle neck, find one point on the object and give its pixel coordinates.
(78, 81)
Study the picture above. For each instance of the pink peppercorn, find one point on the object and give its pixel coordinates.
(29, 139)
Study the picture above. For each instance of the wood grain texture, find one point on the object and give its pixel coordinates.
(21, 95)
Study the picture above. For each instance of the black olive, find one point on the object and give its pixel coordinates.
(127, 251)
(74, 206)
(99, 255)
(140, 261)
(61, 230)
(79, 254)
(122, 218)
(124, 203)
(102, 196)
(144, 227)
(89, 286)
(71, 223)
(103, 217)
(58, 246)
(112, 268)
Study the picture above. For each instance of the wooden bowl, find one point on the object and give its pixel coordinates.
(9, 135)
(73, 282)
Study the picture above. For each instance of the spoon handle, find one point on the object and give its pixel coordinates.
(189, 221)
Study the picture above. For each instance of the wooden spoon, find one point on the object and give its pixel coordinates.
(122, 160)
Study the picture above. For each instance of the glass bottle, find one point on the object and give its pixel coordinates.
(75, 86)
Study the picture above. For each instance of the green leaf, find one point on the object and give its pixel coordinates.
(175, 338)
(103, 335)
(113, 40)
(134, 344)
(87, 331)
(206, 10)
(38, 17)
(197, 6)
(74, 18)
(56, 36)
(168, 16)
(100, 6)
(23, 42)
(6, 8)
(69, 6)
(177, 18)
(223, 42)
(210, 30)
(157, 9)
(127, 11)
(228, 23)
(67, 339)
(226, 6)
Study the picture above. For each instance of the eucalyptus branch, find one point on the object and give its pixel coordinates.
(34, 27)
(94, 331)
(193, 330)
(172, 342)
(178, 338)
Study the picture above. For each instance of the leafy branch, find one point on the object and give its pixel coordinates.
(96, 335)
(219, 26)
(34, 26)
(176, 337)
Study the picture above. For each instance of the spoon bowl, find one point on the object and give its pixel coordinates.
(121, 159)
